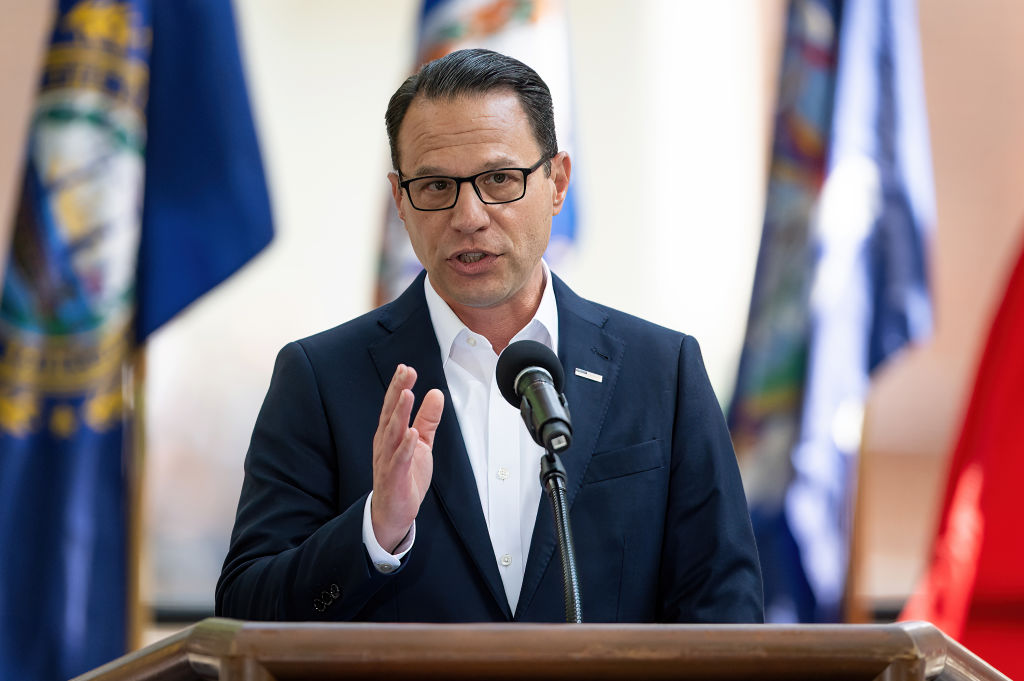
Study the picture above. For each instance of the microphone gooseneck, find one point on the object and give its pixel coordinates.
(530, 378)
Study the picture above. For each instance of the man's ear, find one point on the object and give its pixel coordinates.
(396, 194)
(561, 169)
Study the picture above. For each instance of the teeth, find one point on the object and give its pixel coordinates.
(471, 257)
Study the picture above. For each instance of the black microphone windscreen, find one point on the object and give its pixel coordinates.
(522, 355)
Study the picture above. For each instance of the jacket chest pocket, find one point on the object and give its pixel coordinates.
(619, 463)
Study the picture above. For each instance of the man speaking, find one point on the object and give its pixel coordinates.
(388, 480)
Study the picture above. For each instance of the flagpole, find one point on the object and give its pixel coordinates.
(139, 616)
(855, 610)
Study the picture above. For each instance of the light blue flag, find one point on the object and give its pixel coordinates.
(869, 296)
(841, 285)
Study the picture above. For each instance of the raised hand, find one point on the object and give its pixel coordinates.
(403, 461)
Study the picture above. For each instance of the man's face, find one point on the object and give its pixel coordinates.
(478, 255)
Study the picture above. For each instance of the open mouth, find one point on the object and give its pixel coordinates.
(469, 258)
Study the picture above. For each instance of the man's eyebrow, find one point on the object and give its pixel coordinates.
(494, 164)
(426, 170)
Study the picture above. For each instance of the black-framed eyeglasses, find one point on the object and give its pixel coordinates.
(441, 192)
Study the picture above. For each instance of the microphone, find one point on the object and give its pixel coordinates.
(530, 377)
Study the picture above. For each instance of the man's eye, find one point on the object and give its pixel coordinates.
(438, 185)
(496, 178)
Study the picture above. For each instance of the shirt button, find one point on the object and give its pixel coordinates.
(506, 560)
(472, 341)
(503, 473)
(385, 568)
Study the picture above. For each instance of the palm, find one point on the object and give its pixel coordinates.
(403, 462)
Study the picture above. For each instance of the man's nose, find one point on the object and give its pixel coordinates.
(469, 213)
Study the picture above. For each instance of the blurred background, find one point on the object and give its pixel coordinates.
(674, 116)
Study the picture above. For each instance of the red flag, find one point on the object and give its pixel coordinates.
(974, 587)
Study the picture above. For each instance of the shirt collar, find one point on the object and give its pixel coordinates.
(447, 326)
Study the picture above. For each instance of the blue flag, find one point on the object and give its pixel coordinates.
(206, 211)
(143, 188)
(862, 296)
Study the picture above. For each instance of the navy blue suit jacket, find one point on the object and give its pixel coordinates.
(658, 513)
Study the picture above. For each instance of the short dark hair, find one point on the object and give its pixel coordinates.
(476, 72)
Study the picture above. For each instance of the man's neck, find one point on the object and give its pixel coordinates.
(501, 323)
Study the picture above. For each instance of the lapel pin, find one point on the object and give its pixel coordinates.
(583, 373)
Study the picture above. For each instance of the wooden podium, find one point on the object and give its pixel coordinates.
(249, 651)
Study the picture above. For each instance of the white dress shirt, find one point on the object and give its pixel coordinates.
(504, 458)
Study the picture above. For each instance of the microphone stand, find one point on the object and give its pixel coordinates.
(552, 477)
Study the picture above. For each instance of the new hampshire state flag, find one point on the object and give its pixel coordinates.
(143, 188)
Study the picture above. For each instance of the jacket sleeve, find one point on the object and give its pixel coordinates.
(294, 553)
(710, 570)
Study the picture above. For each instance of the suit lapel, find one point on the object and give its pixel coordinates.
(412, 342)
(582, 344)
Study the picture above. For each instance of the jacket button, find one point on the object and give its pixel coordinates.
(335, 591)
(319, 605)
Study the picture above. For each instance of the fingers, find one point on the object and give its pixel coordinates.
(395, 430)
(429, 416)
(393, 427)
(394, 413)
(404, 378)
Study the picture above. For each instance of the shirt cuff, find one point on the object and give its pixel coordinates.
(382, 560)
